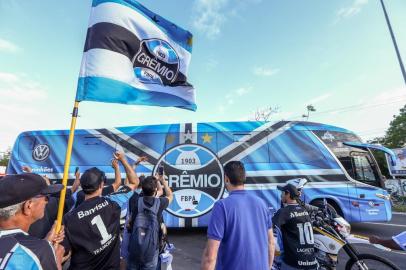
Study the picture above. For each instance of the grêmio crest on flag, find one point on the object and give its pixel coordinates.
(134, 56)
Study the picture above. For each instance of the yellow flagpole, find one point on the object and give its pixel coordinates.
(66, 166)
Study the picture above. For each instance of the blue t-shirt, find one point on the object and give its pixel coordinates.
(241, 223)
(18, 250)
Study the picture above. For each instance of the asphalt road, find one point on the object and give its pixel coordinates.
(190, 243)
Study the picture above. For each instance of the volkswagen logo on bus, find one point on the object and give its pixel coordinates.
(195, 176)
(41, 152)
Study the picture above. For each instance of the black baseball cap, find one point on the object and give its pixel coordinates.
(91, 179)
(17, 188)
(289, 188)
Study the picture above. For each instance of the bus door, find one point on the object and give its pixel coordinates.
(370, 206)
(365, 170)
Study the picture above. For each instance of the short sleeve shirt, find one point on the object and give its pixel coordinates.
(18, 250)
(92, 232)
(400, 239)
(241, 223)
(297, 236)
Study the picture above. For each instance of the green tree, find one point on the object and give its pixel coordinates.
(5, 157)
(395, 136)
(382, 163)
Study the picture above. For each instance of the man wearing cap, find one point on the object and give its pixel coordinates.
(294, 222)
(22, 201)
(93, 228)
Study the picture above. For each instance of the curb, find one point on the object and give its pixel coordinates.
(399, 213)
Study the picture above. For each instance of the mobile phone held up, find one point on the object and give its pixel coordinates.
(161, 170)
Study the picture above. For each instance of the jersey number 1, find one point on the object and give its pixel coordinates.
(102, 229)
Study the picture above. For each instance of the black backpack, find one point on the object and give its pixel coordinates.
(144, 239)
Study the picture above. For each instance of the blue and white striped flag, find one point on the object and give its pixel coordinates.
(134, 56)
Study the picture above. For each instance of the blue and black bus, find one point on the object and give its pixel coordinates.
(339, 167)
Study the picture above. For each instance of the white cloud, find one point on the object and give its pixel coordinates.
(368, 118)
(391, 95)
(318, 99)
(17, 88)
(8, 46)
(22, 103)
(352, 10)
(8, 77)
(243, 90)
(211, 64)
(209, 16)
(265, 71)
(230, 98)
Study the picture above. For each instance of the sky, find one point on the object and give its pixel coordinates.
(247, 55)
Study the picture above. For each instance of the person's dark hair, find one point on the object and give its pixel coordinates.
(141, 179)
(292, 196)
(235, 171)
(149, 186)
(91, 180)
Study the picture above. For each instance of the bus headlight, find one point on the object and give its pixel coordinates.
(383, 196)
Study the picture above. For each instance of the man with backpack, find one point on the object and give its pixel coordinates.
(145, 219)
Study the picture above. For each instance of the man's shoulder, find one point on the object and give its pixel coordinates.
(282, 211)
(255, 201)
(38, 253)
(38, 246)
(222, 202)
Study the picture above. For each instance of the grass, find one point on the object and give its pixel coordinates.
(400, 206)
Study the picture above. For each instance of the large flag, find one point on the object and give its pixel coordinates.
(134, 56)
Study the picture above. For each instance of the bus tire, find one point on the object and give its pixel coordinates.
(331, 208)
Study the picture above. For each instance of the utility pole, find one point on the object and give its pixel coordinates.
(402, 68)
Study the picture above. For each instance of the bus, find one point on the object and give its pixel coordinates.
(339, 167)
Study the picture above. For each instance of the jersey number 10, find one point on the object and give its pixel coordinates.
(306, 233)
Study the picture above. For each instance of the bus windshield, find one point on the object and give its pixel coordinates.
(358, 163)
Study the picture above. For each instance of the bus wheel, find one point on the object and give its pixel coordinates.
(330, 207)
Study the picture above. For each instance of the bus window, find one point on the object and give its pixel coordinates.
(359, 167)
(357, 162)
(363, 169)
(347, 164)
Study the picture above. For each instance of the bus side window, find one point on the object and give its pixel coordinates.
(348, 165)
(363, 169)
